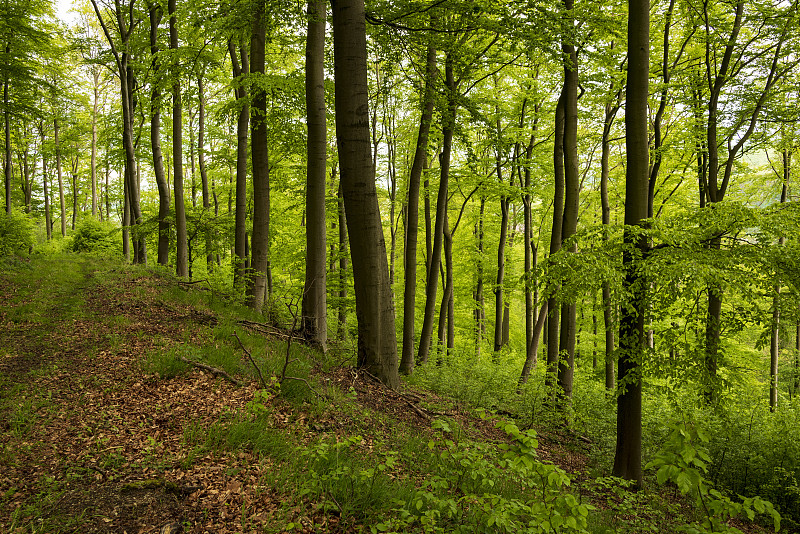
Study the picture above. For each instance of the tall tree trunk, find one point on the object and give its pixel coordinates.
(7, 120)
(74, 163)
(553, 306)
(448, 122)
(343, 254)
(315, 292)
(412, 222)
(501, 248)
(479, 303)
(240, 71)
(377, 344)
(155, 141)
(628, 456)
(566, 367)
(47, 216)
(605, 208)
(95, 102)
(182, 257)
(259, 147)
(60, 179)
(774, 345)
(201, 162)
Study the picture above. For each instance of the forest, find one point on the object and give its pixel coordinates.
(559, 223)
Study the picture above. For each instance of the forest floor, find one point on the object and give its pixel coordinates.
(101, 433)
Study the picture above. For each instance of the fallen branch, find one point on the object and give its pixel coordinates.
(212, 370)
(247, 352)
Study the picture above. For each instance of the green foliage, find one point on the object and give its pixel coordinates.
(476, 487)
(94, 236)
(684, 462)
(347, 481)
(16, 233)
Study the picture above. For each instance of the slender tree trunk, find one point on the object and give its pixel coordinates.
(377, 344)
(7, 119)
(201, 162)
(155, 142)
(257, 285)
(74, 163)
(412, 222)
(315, 293)
(46, 192)
(343, 255)
(240, 224)
(96, 87)
(608, 305)
(448, 120)
(60, 180)
(774, 346)
(501, 251)
(628, 456)
(553, 306)
(182, 257)
(566, 367)
(479, 303)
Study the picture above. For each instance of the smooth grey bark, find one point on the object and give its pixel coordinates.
(46, 192)
(7, 129)
(431, 286)
(553, 307)
(60, 179)
(95, 102)
(566, 366)
(259, 148)
(480, 319)
(377, 344)
(343, 254)
(774, 345)
(628, 455)
(155, 141)
(201, 162)
(501, 246)
(74, 161)
(315, 292)
(605, 208)
(182, 245)
(412, 221)
(240, 71)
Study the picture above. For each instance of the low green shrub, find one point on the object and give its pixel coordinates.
(16, 233)
(94, 236)
(684, 463)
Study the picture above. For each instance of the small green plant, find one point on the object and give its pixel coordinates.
(684, 463)
(477, 487)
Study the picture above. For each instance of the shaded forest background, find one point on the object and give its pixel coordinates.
(474, 240)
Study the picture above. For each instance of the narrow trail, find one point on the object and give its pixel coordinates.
(89, 442)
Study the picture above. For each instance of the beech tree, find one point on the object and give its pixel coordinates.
(628, 455)
(377, 344)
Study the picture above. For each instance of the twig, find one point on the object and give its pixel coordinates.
(303, 380)
(212, 370)
(247, 352)
(93, 468)
(417, 409)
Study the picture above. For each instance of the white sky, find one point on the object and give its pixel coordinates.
(62, 11)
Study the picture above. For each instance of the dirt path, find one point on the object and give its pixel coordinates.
(89, 442)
